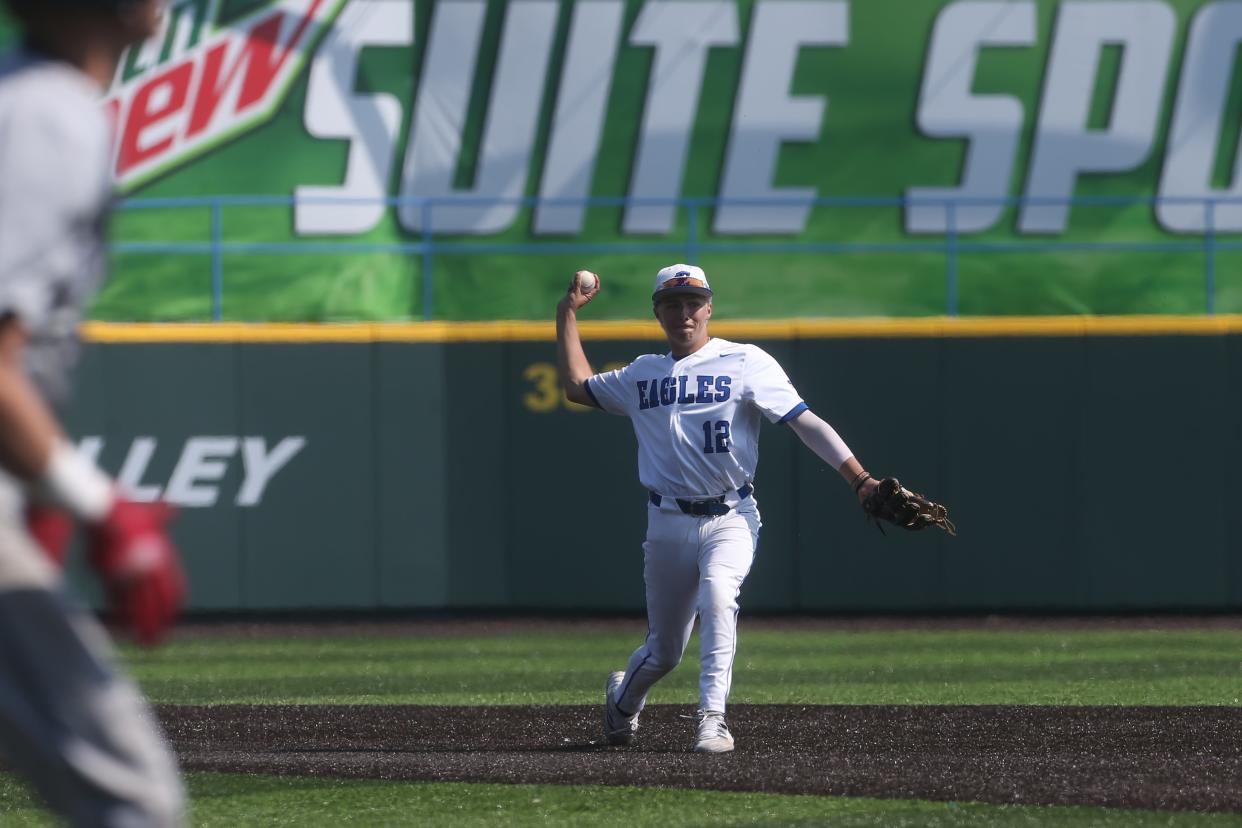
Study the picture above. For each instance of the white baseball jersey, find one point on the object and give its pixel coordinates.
(697, 418)
(55, 188)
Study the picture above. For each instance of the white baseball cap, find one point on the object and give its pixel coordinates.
(681, 278)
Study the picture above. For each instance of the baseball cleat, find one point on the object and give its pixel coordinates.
(619, 729)
(712, 735)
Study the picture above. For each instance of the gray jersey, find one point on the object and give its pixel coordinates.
(55, 189)
(80, 732)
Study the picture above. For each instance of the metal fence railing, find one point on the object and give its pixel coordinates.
(425, 245)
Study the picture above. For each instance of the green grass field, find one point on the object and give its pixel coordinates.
(774, 665)
(1093, 665)
(233, 801)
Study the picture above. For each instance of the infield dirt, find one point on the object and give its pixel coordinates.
(1184, 758)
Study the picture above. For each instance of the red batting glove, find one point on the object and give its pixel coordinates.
(135, 559)
(52, 529)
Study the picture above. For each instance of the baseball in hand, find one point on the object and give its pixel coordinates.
(586, 280)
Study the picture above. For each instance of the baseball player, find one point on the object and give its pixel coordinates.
(696, 412)
(81, 733)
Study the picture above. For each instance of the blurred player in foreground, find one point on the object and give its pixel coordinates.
(696, 412)
(81, 733)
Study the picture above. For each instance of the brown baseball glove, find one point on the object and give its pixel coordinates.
(893, 503)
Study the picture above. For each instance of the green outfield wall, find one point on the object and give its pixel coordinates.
(1088, 463)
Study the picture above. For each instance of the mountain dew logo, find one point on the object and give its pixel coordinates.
(196, 84)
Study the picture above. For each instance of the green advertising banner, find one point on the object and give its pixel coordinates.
(394, 159)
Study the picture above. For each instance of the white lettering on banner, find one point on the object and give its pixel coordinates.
(766, 115)
(197, 83)
(578, 123)
(512, 116)
(261, 466)
(369, 122)
(1194, 137)
(948, 109)
(452, 53)
(135, 466)
(90, 447)
(681, 31)
(1064, 146)
(202, 463)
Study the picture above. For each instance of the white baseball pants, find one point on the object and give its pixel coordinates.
(79, 731)
(692, 565)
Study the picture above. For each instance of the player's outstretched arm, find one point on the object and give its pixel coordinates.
(823, 440)
(572, 365)
(882, 500)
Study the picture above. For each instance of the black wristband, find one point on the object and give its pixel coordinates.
(858, 485)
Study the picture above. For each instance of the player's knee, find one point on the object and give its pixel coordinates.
(664, 655)
(717, 595)
(666, 663)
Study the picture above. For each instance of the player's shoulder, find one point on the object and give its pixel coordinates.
(728, 346)
(27, 74)
(51, 99)
(641, 365)
(649, 361)
(646, 365)
(746, 350)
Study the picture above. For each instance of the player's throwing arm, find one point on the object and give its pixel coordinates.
(573, 367)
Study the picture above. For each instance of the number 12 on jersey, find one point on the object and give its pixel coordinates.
(716, 437)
